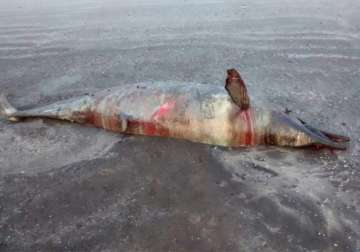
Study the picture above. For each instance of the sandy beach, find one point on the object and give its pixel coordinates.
(69, 187)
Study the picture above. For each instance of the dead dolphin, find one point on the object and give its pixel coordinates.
(196, 112)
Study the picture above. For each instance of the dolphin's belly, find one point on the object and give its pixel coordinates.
(200, 113)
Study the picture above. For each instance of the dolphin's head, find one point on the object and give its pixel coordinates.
(284, 130)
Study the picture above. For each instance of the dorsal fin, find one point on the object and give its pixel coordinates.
(236, 88)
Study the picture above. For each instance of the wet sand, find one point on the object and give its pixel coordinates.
(66, 187)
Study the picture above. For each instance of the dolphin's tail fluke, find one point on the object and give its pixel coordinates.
(6, 110)
(74, 110)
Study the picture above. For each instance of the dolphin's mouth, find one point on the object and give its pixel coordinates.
(325, 139)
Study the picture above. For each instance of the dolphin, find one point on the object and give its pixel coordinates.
(201, 113)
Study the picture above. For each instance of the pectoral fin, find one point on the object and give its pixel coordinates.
(123, 122)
